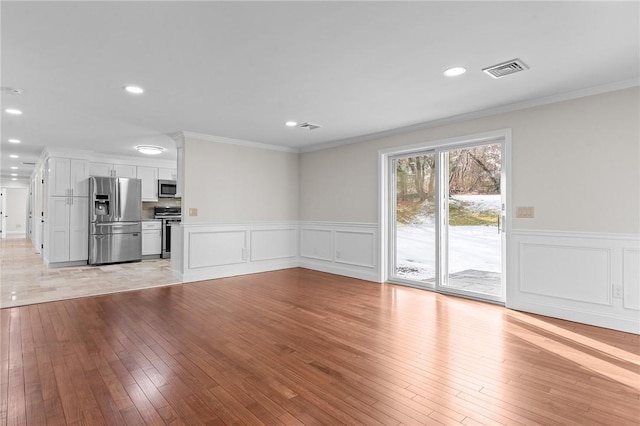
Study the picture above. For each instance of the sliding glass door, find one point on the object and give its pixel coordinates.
(447, 212)
(414, 212)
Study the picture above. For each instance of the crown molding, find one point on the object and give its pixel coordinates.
(237, 142)
(591, 91)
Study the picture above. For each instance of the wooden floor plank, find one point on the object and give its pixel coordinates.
(298, 347)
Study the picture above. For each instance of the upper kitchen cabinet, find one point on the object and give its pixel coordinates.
(167, 174)
(149, 177)
(112, 170)
(67, 177)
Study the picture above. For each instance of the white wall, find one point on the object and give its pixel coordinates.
(576, 162)
(230, 183)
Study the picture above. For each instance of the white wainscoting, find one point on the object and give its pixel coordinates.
(209, 251)
(349, 249)
(591, 278)
(201, 252)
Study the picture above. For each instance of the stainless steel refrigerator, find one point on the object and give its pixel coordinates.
(115, 220)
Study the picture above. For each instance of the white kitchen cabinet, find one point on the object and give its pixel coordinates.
(124, 171)
(66, 210)
(67, 177)
(100, 169)
(112, 170)
(149, 178)
(68, 229)
(167, 174)
(151, 237)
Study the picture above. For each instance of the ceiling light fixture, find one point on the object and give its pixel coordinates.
(13, 111)
(14, 140)
(291, 124)
(14, 179)
(14, 168)
(14, 174)
(149, 149)
(455, 71)
(134, 89)
(13, 156)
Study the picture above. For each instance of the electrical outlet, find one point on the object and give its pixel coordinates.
(193, 211)
(524, 212)
(617, 292)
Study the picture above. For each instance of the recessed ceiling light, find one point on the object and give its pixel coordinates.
(150, 149)
(14, 140)
(14, 168)
(136, 90)
(291, 124)
(14, 174)
(13, 111)
(455, 71)
(13, 156)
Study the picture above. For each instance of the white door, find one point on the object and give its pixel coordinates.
(100, 169)
(149, 177)
(56, 246)
(124, 171)
(3, 209)
(58, 173)
(445, 216)
(472, 237)
(79, 179)
(78, 228)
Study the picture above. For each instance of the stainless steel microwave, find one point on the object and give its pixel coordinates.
(167, 188)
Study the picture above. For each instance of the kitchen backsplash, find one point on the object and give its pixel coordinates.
(147, 206)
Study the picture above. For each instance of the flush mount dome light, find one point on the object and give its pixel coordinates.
(136, 90)
(149, 149)
(13, 156)
(291, 124)
(13, 111)
(455, 71)
(14, 140)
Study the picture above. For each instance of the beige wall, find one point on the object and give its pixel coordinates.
(229, 183)
(577, 162)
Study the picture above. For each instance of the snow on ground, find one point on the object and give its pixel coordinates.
(480, 202)
(470, 247)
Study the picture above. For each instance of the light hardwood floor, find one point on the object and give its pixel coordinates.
(303, 347)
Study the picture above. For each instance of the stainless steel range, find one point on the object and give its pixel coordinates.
(169, 216)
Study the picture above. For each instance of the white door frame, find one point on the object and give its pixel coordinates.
(3, 210)
(385, 195)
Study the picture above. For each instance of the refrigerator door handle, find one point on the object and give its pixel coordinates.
(117, 209)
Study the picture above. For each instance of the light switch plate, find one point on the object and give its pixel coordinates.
(525, 212)
(193, 211)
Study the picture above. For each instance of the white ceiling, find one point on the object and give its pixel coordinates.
(241, 69)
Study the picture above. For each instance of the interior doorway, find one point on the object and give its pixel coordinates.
(445, 216)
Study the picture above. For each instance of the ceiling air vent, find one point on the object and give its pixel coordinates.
(309, 126)
(510, 67)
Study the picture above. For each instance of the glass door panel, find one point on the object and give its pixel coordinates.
(414, 216)
(472, 234)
